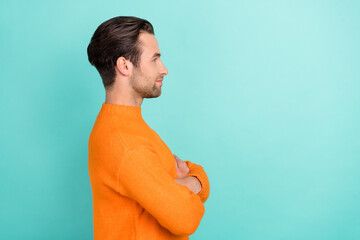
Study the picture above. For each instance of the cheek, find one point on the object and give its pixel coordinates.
(153, 75)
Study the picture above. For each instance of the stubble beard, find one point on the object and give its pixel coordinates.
(144, 85)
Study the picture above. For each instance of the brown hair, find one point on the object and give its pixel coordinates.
(114, 38)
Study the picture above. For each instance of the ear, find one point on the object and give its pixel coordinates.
(123, 66)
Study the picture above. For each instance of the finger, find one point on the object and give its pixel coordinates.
(184, 165)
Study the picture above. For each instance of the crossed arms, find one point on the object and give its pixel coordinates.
(192, 179)
(176, 204)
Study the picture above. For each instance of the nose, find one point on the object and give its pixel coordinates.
(163, 69)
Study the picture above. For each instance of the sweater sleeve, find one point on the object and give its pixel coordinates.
(142, 178)
(198, 172)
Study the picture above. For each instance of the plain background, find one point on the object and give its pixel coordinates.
(263, 94)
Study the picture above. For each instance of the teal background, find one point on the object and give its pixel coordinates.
(263, 94)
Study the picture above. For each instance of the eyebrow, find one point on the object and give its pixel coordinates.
(156, 55)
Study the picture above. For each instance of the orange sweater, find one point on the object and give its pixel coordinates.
(132, 174)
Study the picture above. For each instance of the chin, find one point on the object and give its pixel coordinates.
(153, 95)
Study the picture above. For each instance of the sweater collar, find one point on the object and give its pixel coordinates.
(122, 110)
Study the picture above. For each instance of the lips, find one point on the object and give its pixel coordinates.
(159, 81)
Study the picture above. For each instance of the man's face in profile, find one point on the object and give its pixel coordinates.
(146, 80)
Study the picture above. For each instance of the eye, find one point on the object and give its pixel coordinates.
(154, 59)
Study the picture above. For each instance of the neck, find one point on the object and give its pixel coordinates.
(122, 98)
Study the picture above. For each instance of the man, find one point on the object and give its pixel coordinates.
(140, 189)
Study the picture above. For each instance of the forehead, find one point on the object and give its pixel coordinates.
(149, 44)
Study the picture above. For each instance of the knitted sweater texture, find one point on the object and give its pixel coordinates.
(132, 174)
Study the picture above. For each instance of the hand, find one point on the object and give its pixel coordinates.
(190, 182)
(182, 170)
